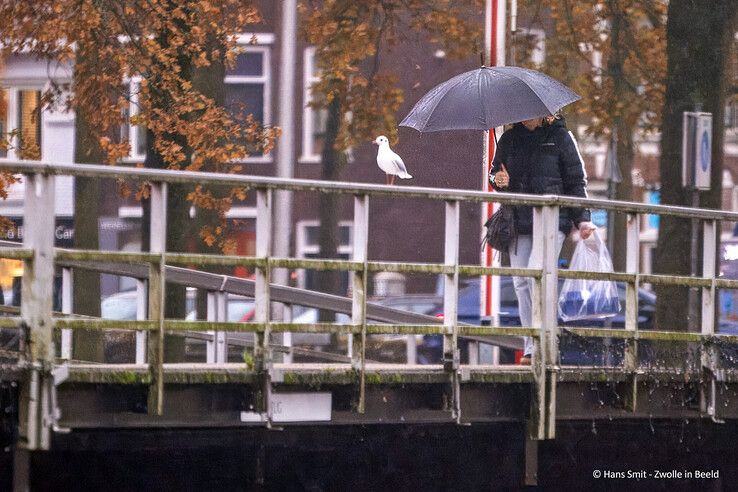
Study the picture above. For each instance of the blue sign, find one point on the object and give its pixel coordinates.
(599, 218)
(654, 198)
(705, 151)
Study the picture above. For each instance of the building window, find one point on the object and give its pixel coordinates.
(28, 124)
(20, 114)
(731, 116)
(247, 91)
(135, 134)
(3, 123)
(313, 120)
(248, 88)
(307, 246)
(530, 47)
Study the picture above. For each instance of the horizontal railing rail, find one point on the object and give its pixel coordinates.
(295, 184)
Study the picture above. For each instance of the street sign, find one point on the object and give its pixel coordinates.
(696, 150)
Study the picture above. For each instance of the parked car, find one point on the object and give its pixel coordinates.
(379, 348)
(122, 306)
(574, 350)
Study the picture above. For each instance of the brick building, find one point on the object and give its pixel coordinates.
(400, 230)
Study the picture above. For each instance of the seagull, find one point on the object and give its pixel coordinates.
(389, 162)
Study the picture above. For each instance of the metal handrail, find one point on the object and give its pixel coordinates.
(295, 184)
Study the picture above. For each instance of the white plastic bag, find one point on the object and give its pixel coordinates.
(589, 299)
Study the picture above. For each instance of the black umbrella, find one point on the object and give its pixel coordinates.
(488, 97)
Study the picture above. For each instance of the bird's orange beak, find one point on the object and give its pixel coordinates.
(375, 142)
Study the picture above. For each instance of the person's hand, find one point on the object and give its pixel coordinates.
(586, 229)
(502, 179)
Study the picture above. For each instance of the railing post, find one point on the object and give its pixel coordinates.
(142, 313)
(262, 313)
(544, 255)
(35, 413)
(358, 293)
(211, 315)
(451, 356)
(632, 265)
(67, 308)
(709, 354)
(411, 350)
(287, 336)
(216, 349)
(158, 242)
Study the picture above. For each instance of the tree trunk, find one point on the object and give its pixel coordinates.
(623, 191)
(88, 345)
(698, 34)
(329, 280)
(178, 220)
(211, 82)
(624, 134)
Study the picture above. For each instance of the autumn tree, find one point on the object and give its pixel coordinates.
(350, 39)
(170, 46)
(166, 44)
(698, 36)
(612, 53)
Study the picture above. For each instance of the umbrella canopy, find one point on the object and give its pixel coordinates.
(488, 97)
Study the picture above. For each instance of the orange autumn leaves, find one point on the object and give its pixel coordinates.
(170, 48)
(611, 52)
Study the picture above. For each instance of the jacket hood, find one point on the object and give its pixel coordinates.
(558, 122)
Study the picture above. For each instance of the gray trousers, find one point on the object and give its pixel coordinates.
(520, 258)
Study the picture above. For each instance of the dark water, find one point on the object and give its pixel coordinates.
(358, 458)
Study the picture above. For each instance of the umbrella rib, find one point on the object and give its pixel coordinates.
(482, 99)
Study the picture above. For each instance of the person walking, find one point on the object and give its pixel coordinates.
(539, 156)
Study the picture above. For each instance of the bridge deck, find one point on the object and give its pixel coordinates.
(207, 395)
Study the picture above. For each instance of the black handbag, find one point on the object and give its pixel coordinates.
(501, 232)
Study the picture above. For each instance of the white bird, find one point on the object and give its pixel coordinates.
(389, 162)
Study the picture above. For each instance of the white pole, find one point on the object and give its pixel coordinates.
(513, 15)
(286, 146)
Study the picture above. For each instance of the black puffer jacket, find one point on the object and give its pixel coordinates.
(545, 161)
